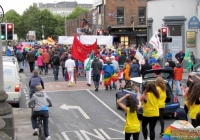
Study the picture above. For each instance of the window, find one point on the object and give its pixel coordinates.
(174, 30)
(142, 16)
(120, 16)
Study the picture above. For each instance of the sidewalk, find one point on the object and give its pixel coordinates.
(22, 124)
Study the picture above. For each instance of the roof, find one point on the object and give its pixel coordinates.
(8, 63)
(136, 79)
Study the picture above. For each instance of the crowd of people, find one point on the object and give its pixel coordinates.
(118, 63)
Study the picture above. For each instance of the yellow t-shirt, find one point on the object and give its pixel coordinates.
(163, 96)
(132, 123)
(193, 110)
(150, 107)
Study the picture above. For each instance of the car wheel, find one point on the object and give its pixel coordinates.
(117, 106)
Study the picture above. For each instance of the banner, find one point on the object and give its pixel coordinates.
(65, 40)
(101, 40)
(156, 44)
(80, 51)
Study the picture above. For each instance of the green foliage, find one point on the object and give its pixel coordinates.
(32, 19)
(77, 11)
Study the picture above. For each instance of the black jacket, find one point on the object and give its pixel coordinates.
(145, 67)
(172, 64)
(55, 60)
(96, 66)
(122, 59)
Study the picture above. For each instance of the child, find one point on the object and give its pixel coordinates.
(120, 75)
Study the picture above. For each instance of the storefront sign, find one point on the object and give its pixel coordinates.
(141, 34)
(190, 39)
(194, 23)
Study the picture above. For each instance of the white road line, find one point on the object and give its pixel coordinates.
(58, 136)
(117, 130)
(26, 95)
(51, 121)
(71, 90)
(107, 106)
(27, 98)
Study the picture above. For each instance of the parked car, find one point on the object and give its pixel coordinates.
(172, 103)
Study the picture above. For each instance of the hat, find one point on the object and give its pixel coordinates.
(180, 114)
(97, 55)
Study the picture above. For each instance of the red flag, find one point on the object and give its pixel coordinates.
(80, 51)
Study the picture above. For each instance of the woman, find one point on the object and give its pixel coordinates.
(132, 125)
(40, 63)
(149, 101)
(135, 69)
(194, 103)
(161, 87)
(127, 70)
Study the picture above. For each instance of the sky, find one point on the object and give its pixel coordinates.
(21, 5)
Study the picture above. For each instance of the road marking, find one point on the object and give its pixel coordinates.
(26, 95)
(22, 75)
(27, 98)
(75, 107)
(117, 130)
(71, 90)
(59, 137)
(51, 121)
(107, 106)
(181, 107)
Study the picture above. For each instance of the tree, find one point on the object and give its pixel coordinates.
(76, 12)
(13, 17)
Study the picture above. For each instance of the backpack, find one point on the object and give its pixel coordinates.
(55, 60)
(20, 57)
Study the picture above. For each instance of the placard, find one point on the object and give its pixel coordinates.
(190, 39)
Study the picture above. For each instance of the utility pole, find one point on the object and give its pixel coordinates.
(43, 31)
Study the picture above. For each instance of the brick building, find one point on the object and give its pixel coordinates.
(123, 19)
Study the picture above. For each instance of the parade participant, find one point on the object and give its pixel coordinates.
(88, 70)
(146, 66)
(132, 125)
(169, 55)
(70, 66)
(40, 63)
(120, 75)
(40, 102)
(172, 64)
(150, 101)
(63, 59)
(180, 56)
(122, 59)
(31, 59)
(127, 67)
(56, 63)
(108, 72)
(46, 59)
(193, 103)
(96, 70)
(135, 69)
(178, 72)
(116, 68)
(156, 66)
(20, 60)
(170, 80)
(152, 60)
(161, 87)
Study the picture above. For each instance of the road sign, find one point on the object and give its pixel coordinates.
(31, 35)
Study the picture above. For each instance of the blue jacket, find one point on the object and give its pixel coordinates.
(108, 68)
(152, 60)
(135, 70)
(34, 81)
(8, 53)
(169, 55)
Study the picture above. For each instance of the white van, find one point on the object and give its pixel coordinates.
(12, 81)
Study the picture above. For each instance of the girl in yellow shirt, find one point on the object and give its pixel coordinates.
(132, 125)
(149, 101)
(161, 87)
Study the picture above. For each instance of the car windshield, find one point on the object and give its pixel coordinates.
(155, 75)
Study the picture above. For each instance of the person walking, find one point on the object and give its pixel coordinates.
(96, 70)
(46, 59)
(20, 60)
(192, 59)
(70, 66)
(108, 72)
(40, 63)
(150, 101)
(88, 69)
(40, 102)
(31, 60)
(161, 87)
(132, 124)
(34, 81)
(135, 69)
(116, 68)
(145, 67)
(63, 59)
(56, 63)
(178, 73)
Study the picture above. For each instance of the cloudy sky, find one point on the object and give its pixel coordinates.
(21, 5)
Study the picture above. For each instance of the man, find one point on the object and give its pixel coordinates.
(88, 69)
(145, 67)
(56, 63)
(31, 59)
(34, 81)
(20, 59)
(180, 56)
(46, 59)
(40, 103)
(169, 55)
(167, 67)
(96, 70)
(116, 68)
(70, 66)
(171, 63)
(152, 60)
(192, 59)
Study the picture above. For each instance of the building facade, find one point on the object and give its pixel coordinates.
(123, 19)
(62, 8)
(181, 18)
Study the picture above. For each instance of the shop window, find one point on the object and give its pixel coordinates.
(120, 15)
(142, 15)
(174, 30)
(124, 40)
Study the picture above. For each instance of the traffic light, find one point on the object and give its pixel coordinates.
(3, 31)
(10, 31)
(165, 38)
(98, 32)
(159, 34)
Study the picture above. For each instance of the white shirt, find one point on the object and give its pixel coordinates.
(70, 64)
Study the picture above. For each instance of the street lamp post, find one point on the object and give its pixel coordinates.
(43, 31)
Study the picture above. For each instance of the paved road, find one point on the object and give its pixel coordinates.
(81, 113)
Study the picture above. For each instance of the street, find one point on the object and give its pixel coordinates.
(81, 113)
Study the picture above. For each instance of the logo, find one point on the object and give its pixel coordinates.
(1, 13)
(9, 87)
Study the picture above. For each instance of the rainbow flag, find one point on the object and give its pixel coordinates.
(107, 79)
(144, 51)
(139, 56)
(115, 77)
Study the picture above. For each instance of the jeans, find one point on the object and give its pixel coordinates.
(31, 65)
(45, 115)
(46, 68)
(170, 82)
(96, 78)
(32, 90)
(63, 71)
(152, 123)
(178, 88)
(114, 85)
(55, 72)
